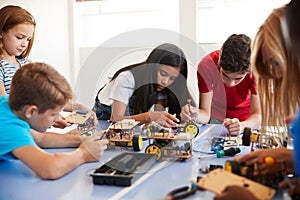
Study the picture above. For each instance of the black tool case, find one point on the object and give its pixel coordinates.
(123, 169)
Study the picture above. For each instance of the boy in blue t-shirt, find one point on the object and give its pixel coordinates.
(38, 94)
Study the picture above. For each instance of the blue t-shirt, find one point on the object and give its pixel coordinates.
(14, 132)
(296, 134)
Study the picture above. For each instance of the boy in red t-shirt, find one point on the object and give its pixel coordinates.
(227, 88)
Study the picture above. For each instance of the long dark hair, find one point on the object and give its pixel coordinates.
(145, 75)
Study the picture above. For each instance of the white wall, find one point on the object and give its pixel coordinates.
(61, 31)
(52, 41)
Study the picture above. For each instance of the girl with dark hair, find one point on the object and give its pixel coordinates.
(144, 91)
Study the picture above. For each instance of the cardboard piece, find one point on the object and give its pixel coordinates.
(77, 118)
(218, 179)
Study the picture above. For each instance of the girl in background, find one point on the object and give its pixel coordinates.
(17, 29)
(143, 91)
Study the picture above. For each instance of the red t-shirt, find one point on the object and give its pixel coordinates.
(227, 102)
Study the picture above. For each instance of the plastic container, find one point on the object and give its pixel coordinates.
(123, 169)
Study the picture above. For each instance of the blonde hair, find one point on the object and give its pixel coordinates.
(279, 96)
(38, 84)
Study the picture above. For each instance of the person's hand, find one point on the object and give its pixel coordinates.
(188, 112)
(77, 106)
(290, 119)
(93, 118)
(233, 126)
(61, 123)
(235, 192)
(163, 118)
(100, 134)
(93, 148)
(293, 186)
(281, 155)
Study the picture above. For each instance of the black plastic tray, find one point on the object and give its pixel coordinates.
(123, 169)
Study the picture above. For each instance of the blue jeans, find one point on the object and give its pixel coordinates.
(214, 121)
(102, 111)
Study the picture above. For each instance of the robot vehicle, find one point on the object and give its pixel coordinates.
(84, 121)
(122, 133)
(171, 142)
(257, 139)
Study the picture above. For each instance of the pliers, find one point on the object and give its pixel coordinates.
(182, 192)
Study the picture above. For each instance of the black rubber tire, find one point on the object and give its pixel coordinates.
(246, 136)
(137, 143)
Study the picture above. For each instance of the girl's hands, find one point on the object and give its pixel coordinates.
(163, 118)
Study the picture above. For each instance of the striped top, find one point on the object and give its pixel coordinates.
(7, 71)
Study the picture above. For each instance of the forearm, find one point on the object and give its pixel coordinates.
(55, 140)
(143, 117)
(56, 165)
(202, 117)
(2, 89)
(66, 162)
(254, 121)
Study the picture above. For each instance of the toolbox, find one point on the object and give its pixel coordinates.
(123, 169)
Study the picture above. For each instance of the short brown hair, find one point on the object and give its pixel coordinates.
(41, 85)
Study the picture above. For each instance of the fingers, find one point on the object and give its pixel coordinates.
(188, 112)
(290, 119)
(249, 158)
(185, 113)
(256, 159)
(233, 126)
(94, 117)
(168, 121)
(164, 118)
(234, 131)
(227, 121)
(93, 148)
(61, 123)
(172, 117)
(101, 135)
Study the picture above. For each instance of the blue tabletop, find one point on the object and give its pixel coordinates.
(17, 181)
